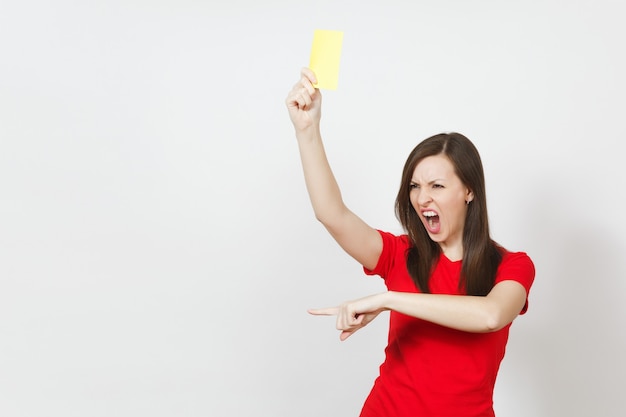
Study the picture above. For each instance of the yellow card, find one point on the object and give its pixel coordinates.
(325, 55)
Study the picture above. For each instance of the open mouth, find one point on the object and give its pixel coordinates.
(432, 220)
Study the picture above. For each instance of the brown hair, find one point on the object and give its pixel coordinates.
(481, 255)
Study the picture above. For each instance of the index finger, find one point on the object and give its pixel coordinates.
(329, 311)
(308, 73)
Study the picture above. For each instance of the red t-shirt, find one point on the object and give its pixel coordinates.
(431, 370)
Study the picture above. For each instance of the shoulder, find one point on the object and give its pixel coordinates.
(516, 266)
(515, 258)
(391, 240)
(393, 253)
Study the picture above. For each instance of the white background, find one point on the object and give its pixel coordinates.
(157, 248)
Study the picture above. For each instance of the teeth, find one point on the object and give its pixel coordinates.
(429, 214)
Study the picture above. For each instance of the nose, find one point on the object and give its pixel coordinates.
(424, 198)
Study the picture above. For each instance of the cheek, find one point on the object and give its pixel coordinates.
(456, 208)
(460, 212)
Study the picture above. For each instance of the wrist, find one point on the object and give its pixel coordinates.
(308, 133)
(386, 300)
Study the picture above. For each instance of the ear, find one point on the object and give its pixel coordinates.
(469, 196)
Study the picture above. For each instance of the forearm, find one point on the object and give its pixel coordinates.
(461, 312)
(321, 184)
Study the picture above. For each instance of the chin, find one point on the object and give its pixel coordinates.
(437, 238)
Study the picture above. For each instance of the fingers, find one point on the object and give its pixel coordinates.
(309, 74)
(342, 313)
(304, 84)
(347, 330)
(346, 334)
(330, 311)
(299, 98)
(347, 319)
(353, 315)
(303, 92)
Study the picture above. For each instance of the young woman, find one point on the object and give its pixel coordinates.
(452, 291)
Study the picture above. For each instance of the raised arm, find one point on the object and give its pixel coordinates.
(358, 239)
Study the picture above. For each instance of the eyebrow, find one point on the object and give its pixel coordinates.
(430, 182)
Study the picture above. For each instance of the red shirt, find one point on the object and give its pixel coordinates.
(431, 370)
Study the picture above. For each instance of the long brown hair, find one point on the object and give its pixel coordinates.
(481, 255)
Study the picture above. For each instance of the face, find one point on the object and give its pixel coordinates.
(439, 198)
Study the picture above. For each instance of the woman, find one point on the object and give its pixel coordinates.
(452, 291)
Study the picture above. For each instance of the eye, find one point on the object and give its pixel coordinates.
(438, 186)
(413, 186)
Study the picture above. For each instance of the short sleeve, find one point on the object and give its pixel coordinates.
(392, 255)
(517, 266)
